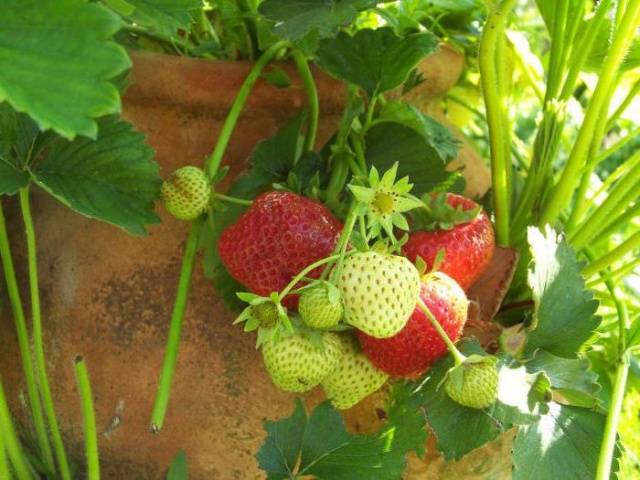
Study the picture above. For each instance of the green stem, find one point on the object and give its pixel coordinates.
(10, 440)
(615, 223)
(492, 35)
(616, 254)
(303, 273)
(369, 115)
(617, 274)
(175, 329)
(556, 63)
(562, 192)
(358, 148)
(38, 342)
(617, 200)
(89, 417)
(633, 91)
(580, 55)
(215, 159)
(5, 474)
(458, 357)
(312, 97)
(613, 418)
(23, 343)
(228, 199)
(343, 241)
(614, 148)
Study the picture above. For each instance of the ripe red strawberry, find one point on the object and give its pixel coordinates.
(278, 236)
(468, 243)
(412, 351)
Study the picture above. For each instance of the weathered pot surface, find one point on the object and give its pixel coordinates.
(108, 296)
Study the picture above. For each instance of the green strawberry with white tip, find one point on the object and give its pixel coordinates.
(320, 305)
(297, 365)
(379, 292)
(473, 383)
(186, 193)
(354, 377)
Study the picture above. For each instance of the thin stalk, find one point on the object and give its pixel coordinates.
(458, 357)
(23, 343)
(579, 55)
(175, 329)
(11, 442)
(556, 63)
(607, 447)
(617, 274)
(358, 148)
(562, 192)
(303, 273)
(622, 169)
(615, 147)
(633, 91)
(615, 223)
(312, 97)
(89, 417)
(215, 159)
(616, 254)
(38, 342)
(5, 474)
(228, 199)
(212, 165)
(616, 201)
(493, 34)
(343, 241)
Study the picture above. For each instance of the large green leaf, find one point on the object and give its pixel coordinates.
(161, 16)
(564, 311)
(391, 142)
(459, 429)
(564, 443)
(112, 178)
(376, 60)
(57, 57)
(571, 376)
(320, 446)
(294, 19)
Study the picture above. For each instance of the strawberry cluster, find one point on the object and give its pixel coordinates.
(328, 314)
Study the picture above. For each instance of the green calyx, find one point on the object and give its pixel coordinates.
(474, 382)
(266, 315)
(384, 201)
(438, 214)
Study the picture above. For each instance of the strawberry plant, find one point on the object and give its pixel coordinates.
(355, 264)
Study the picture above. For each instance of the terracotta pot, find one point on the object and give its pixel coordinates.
(108, 296)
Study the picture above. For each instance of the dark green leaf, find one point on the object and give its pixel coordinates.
(459, 429)
(390, 142)
(571, 375)
(436, 135)
(564, 443)
(564, 310)
(178, 469)
(277, 77)
(376, 60)
(295, 19)
(112, 178)
(57, 59)
(11, 178)
(164, 16)
(321, 447)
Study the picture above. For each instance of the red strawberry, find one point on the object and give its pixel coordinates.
(412, 351)
(278, 236)
(468, 243)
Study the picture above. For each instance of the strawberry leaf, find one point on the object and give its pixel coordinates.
(458, 429)
(112, 178)
(564, 443)
(62, 50)
(376, 60)
(320, 446)
(564, 314)
(162, 16)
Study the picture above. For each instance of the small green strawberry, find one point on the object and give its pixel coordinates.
(473, 383)
(354, 377)
(186, 193)
(321, 306)
(297, 365)
(379, 292)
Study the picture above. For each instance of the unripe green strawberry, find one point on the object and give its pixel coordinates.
(297, 365)
(379, 292)
(474, 383)
(320, 306)
(354, 378)
(186, 193)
